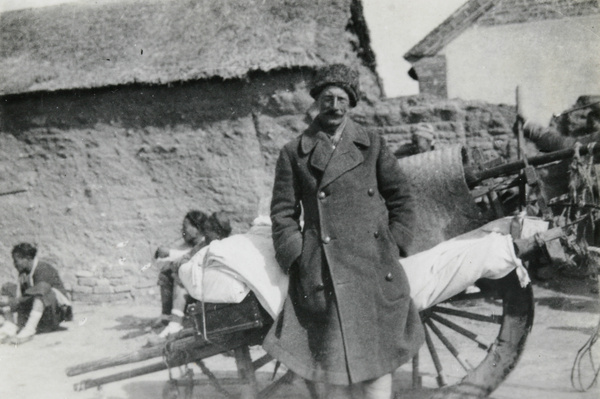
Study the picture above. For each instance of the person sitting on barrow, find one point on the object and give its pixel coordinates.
(198, 230)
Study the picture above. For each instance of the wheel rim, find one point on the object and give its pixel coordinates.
(498, 329)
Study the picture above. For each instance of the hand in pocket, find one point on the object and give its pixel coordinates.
(312, 291)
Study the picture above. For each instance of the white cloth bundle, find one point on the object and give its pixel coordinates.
(211, 284)
(251, 257)
(226, 270)
(453, 265)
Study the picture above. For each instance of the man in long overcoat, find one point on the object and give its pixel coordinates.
(348, 318)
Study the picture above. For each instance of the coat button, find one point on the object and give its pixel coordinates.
(322, 194)
(326, 240)
(319, 287)
(389, 277)
(376, 234)
(371, 192)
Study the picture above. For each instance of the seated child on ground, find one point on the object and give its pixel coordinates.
(42, 304)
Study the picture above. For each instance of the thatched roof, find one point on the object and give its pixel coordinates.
(497, 12)
(106, 43)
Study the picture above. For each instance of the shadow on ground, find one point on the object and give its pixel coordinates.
(586, 286)
(584, 330)
(570, 304)
(136, 326)
(295, 389)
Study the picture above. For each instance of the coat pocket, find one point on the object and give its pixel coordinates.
(312, 292)
(392, 278)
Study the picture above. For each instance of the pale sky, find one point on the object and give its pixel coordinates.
(7, 5)
(395, 26)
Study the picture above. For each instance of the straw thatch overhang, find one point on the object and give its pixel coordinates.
(108, 43)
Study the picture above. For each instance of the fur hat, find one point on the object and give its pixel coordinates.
(336, 75)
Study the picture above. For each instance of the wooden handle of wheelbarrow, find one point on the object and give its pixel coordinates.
(177, 357)
(133, 357)
(97, 382)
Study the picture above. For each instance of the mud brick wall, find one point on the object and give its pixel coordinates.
(477, 126)
(110, 173)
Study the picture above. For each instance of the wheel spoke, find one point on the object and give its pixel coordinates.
(258, 363)
(468, 297)
(463, 331)
(469, 315)
(464, 363)
(498, 320)
(441, 378)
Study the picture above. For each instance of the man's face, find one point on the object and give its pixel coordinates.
(333, 103)
(423, 144)
(22, 264)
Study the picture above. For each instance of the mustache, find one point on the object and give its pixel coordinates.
(333, 112)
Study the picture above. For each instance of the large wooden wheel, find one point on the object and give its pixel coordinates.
(475, 340)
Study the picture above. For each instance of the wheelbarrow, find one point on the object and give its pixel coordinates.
(474, 339)
(500, 334)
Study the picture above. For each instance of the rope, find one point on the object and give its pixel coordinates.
(202, 302)
(165, 359)
(212, 379)
(586, 351)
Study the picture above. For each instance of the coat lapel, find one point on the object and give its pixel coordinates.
(347, 155)
(315, 139)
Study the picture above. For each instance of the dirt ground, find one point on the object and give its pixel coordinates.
(566, 315)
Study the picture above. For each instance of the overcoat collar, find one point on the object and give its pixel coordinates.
(324, 158)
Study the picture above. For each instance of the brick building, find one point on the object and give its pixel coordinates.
(551, 48)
